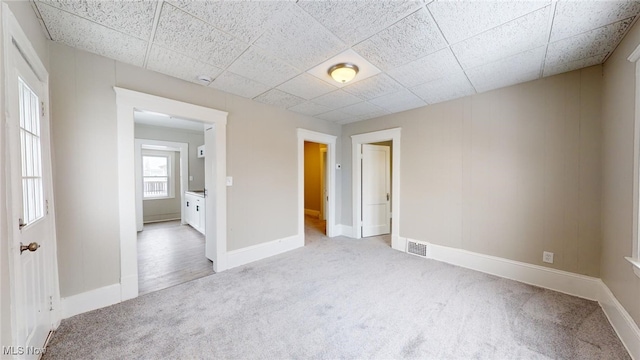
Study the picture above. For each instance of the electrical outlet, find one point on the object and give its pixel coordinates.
(547, 257)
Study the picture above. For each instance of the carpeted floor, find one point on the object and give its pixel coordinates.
(342, 298)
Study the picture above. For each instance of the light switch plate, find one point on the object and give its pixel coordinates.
(229, 180)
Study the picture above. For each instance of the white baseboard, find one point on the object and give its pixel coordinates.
(253, 253)
(621, 321)
(129, 287)
(344, 230)
(312, 213)
(90, 300)
(398, 243)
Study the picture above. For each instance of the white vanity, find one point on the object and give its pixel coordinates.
(195, 209)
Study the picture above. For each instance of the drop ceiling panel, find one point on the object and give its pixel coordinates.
(177, 65)
(299, 39)
(306, 86)
(428, 68)
(133, 18)
(514, 37)
(309, 108)
(479, 16)
(89, 36)
(585, 45)
(354, 21)
(550, 69)
(399, 101)
(515, 69)
(575, 17)
(188, 35)
(443, 89)
(334, 116)
(279, 98)
(336, 99)
(361, 109)
(411, 38)
(238, 85)
(246, 20)
(258, 66)
(373, 87)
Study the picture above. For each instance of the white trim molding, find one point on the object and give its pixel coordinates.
(127, 101)
(257, 252)
(356, 181)
(620, 320)
(635, 256)
(90, 300)
(330, 141)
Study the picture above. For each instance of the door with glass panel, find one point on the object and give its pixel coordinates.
(32, 240)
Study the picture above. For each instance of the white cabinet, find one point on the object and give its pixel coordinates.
(194, 214)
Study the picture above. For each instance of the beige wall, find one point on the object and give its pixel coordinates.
(618, 111)
(312, 173)
(193, 138)
(509, 173)
(154, 210)
(261, 157)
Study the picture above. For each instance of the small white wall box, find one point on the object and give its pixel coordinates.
(201, 151)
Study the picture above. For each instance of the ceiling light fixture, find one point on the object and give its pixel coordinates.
(343, 72)
(205, 80)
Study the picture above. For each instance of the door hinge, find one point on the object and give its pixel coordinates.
(50, 303)
(42, 107)
(46, 206)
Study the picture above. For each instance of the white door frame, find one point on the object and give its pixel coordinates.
(183, 148)
(127, 102)
(356, 181)
(12, 32)
(330, 141)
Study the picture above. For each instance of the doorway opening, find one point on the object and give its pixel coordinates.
(170, 183)
(215, 121)
(315, 190)
(363, 180)
(325, 208)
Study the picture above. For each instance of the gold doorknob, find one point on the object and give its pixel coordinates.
(31, 247)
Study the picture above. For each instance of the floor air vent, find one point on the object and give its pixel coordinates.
(416, 248)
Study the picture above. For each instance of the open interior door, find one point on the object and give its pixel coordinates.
(376, 187)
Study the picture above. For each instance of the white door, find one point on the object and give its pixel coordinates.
(209, 221)
(376, 187)
(32, 241)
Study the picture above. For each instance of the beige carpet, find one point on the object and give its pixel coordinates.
(343, 299)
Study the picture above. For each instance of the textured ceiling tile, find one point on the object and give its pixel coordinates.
(550, 70)
(575, 17)
(335, 115)
(306, 86)
(309, 108)
(246, 20)
(373, 87)
(399, 101)
(372, 115)
(444, 89)
(238, 85)
(354, 21)
(585, 45)
(279, 98)
(299, 39)
(428, 68)
(479, 16)
(513, 70)
(514, 37)
(185, 34)
(256, 65)
(180, 66)
(130, 17)
(411, 38)
(337, 99)
(87, 35)
(361, 109)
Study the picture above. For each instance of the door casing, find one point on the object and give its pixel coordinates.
(357, 141)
